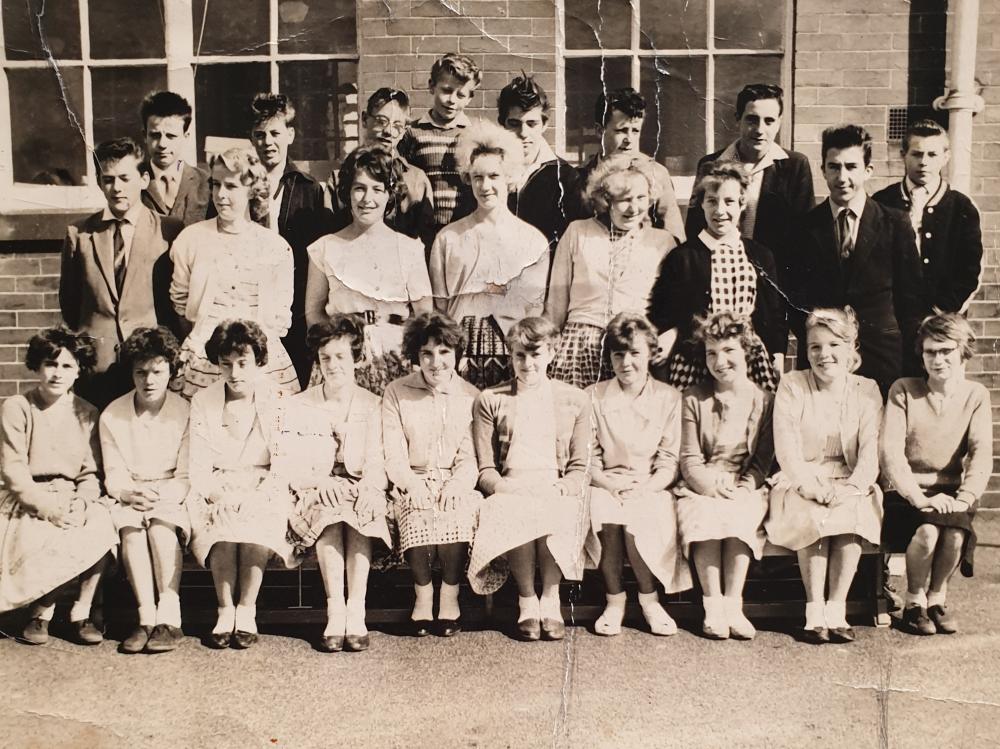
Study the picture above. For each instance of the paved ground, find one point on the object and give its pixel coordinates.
(482, 689)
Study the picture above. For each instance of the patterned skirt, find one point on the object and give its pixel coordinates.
(705, 518)
(164, 511)
(686, 367)
(486, 361)
(36, 557)
(419, 527)
(579, 358)
(197, 372)
(903, 519)
(310, 516)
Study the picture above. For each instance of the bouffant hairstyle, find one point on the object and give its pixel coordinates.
(721, 326)
(378, 164)
(842, 323)
(610, 176)
(114, 150)
(531, 333)
(145, 344)
(432, 326)
(459, 66)
(923, 129)
(717, 173)
(524, 93)
(267, 106)
(757, 92)
(623, 330)
(237, 337)
(484, 138)
(847, 136)
(338, 326)
(46, 344)
(165, 104)
(245, 164)
(947, 326)
(628, 101)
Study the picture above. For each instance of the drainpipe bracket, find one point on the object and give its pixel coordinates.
(955, 101)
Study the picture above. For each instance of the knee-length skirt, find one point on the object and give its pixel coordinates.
(310, 516)
(487, 360)
(164, 511)
(579, 359)
(417, 527)
(902, 520)
(705, 518)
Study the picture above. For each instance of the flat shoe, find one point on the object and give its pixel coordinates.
(85, 633)
(219, 640)
(816, 635)
(36, 632)
(356, 643)
(553, 629)
(420, 627)
(331, 643)
(529, 630)
(244, 640)
(944, 622)
(165, 638)
(448, 627)
(842, 634)
(136, 642)
(916, 621)
(715, 632)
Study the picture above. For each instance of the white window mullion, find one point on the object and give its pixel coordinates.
(710, 80)
(88, 107)
(272, 46)
(6, 143)
(560, 92)
(178, 44)
(634, 44)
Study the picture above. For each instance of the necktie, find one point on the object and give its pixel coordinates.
(844, 228)
(119, 257)
(166, 185)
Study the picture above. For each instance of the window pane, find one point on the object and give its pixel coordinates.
(117, 34)
(674, 88)
(46, 135)
(584, 83)
(325, 94)
(222, 99)
(598, 24)
(732, 73)
(117, 94)
(758, 25)
(318, 26)
(231, 27)
(59, 25)
(674, 24)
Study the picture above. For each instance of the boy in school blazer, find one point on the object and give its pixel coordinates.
(115, 274)
(175, 189)
(852, 250)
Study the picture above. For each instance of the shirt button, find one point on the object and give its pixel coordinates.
(926, 260)
(930, 210)
(927, 235)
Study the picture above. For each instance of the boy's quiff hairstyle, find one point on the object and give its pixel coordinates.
(923, 129)
(947, 326)
(717, 173)
(165, 104)
(146, 344)
(611, 172)
(487, 138)
(432, 326)
(245, 163)
(758, 92)
(116, 149)
(531, 332)
(628, 101)
(847, 136)
(46, 344)
(340, 325)
(842, 323)
(383, 96)
(266, 106)
(235, 337)
(524, 93)
(459, 66)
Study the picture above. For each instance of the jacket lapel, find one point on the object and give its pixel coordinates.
(153, 192)
(188, 185)
(139, 259)
(104, 255)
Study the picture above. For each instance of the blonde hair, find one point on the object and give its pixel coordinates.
(484, 138)
(719, 172)
(842, 323)
(246, 165)
(608, 179)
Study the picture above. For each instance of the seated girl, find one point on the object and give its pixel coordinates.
(726, 456)
(638, 425)
(488, 270)
(329, 458)
(54, 526)
(825, 500)
(239, 516)
(429, 458)
(144, 445)
(937, 452)
(532, 438)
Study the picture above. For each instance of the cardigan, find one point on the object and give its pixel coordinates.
(550, 199)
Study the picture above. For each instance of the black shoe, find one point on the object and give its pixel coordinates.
(553, 629)
(420, 627)
(165, 638)
(136, 642)
(36, 632)
(85, 633)
(331, 643)
(916, 621)
(244, 640)
(219, 640)
(944, 622)
(448, 627)
(842, 635)
(356, 643)
(529, 630)
(893, 599)
(816, 635)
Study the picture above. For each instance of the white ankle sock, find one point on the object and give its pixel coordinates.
(423, 606)
(246, 618)
(226, 622)
(448, 607)
(168, 610)
(356, 617)
(935, 599)
(916, 599)
(610, 622)
(528, 608)
(336, 617)
(79, 612)
(43, 611)
(659, 621)
(835, 613)
(550, 607)
(147, 616)
(815, 616)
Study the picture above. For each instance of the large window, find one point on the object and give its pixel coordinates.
(688, 58)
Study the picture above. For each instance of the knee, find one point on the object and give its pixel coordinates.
(952, 539)
(924, 539)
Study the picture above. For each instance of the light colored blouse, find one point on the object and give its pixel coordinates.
(146, 448)
(594, 278)
(928, 440)
(480, 269)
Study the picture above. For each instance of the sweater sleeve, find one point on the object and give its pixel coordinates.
(892, 444)
(866, 470)
(762, 459)
(88, 481)
(979, 459)
(436, 267)
(789, 406)
(180, 281)
(15, 438)
(557, 304)
(465, 470)
(281, 290)
(968, 253)
(577, 475)
(484, 415)
(117, 476)
(394, 443)
(698, 476)
(199, 450)
(374, 474)
(667, 458)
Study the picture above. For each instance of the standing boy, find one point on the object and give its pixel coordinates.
(430, 142)
(176, 189)
(115, 274)
(852, 250)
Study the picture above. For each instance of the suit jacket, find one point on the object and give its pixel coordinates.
(786, 193)
(881, 281)
(951, 245)
(88, 297)
(193, 201)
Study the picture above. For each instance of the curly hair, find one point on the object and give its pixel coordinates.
(145, 344)
(531, 332)
(721, 326)
(946, 326)
(524, 93)
(842, 323)
(718, 172)
(245, 164)
(608, 179)
(339, 325)
(628, 101)
(378, 164)
(484, 138)
(237, 337)
(458, 66)
(46, 344)
(432, 326)
(266, 106)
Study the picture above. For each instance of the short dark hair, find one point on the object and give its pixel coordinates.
(624, 328)
(432, 326)
(165, 104)
(339, 325)
(461, 67)
(718, 172)
(46, 344)
(757, 92)
(531, 332)
(383, 96)
(524, 93)
(378, 163)
(847, 136)
(116, 149)
(266, 106)
(628, 101)
(144, 344)
(237, 336)
(922, 129)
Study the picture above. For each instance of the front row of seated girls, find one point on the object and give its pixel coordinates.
(566, 479)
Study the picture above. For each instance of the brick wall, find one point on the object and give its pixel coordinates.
(28, 301)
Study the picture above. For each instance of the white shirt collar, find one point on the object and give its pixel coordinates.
(732, 239)
(774, 153)
(932, 189)
(172, 172)
(130, 217)
(461, 120)
(857, 205)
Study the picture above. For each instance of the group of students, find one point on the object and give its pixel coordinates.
(490, 346)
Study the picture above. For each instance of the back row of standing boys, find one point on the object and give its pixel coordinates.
(487, 225)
